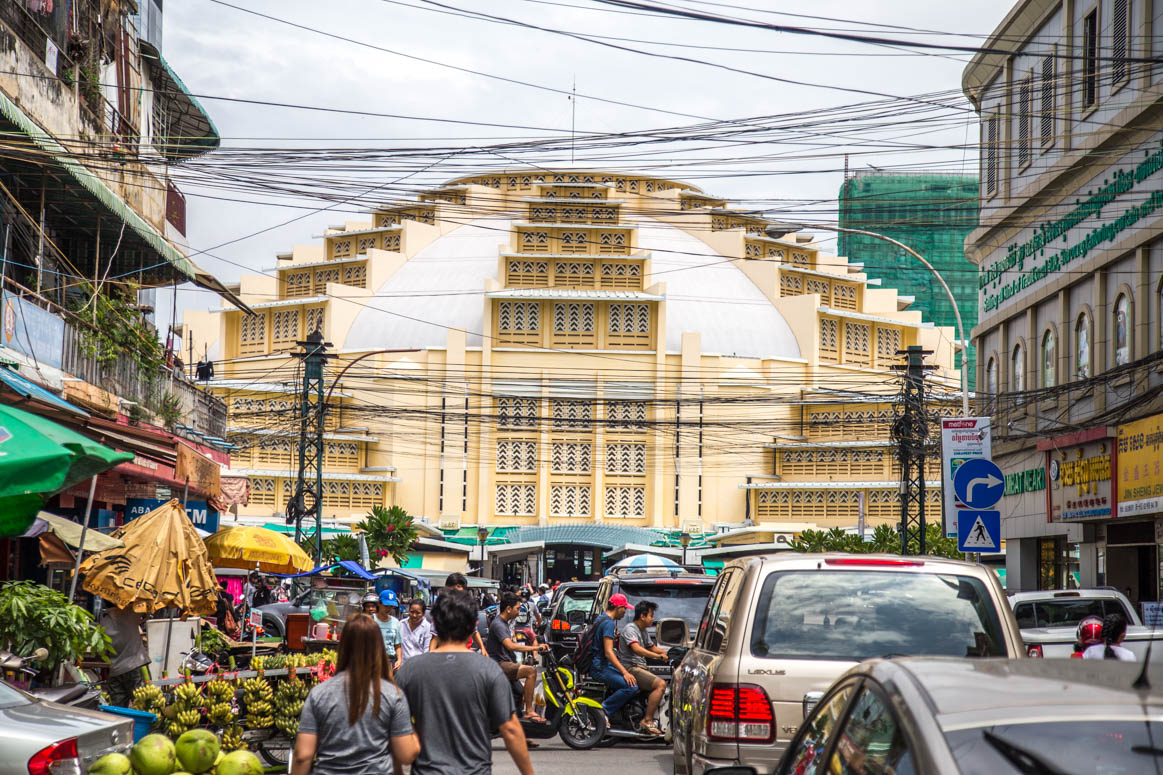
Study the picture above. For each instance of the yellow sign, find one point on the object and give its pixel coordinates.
(1140, 467)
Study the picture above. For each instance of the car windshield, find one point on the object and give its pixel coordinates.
(1062, 613)
(577, 600)
(1087, 747)
(675, 601)
(857, 615)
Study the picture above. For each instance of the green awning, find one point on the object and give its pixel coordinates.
(192, 131)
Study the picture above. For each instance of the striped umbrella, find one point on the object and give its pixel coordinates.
(642, 563)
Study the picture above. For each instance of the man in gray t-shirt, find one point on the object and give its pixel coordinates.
(460, 699)
(634, 646)
(363, 747)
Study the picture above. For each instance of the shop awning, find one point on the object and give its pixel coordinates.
(24, 387)
(191, 130)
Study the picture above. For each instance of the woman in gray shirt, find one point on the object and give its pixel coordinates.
(357, 722)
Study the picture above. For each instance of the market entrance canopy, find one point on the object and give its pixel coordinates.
(38, 458)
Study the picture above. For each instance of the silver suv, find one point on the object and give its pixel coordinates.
(780, 628)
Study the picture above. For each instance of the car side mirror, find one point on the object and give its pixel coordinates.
(576, 616)
(671, 632)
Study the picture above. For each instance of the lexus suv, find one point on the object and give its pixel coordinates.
(780, 628)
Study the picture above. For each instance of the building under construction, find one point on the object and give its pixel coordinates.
(932, 214)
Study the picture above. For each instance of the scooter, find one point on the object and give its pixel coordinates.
(624, 725)
(17, 672)
(576, 719)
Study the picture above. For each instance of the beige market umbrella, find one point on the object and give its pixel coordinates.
(162, 565)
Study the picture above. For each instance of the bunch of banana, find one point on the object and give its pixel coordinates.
(258, 663)
(257, 695)
(219, 690)
(148, 698)
(289, 697)
(275, 661)
(220, 713)
(232, 739)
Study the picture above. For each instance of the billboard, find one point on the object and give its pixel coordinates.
(31, 330)
(1079, 481)
(962, 439)
(1139, 481)
(199, 512)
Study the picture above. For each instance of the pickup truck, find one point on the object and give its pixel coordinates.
(1049, 621)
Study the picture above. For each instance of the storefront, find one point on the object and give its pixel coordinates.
(1134, 537)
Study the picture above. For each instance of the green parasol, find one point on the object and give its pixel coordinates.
(39, 457)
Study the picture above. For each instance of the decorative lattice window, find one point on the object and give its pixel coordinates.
(543, 214)
(355, 275)
(822, 287)
(519, 316)
(364, 244)
(626, 459)
(298, 284)
(516, 499)
(844, 296)
(517, 456)
(252, 328)
(341, 248)
(517, 412)
(625, 502)
(857, 343)
(630, 319)
(621, 275)
(888, 342)
(314, 320)
(528, 274)
(800, 259)
(569, 457)
(830, 340)
(535, 242)
(573, 273)
(718, 222)
(612, 242)
(569, 500)
(574, 242)
(791, 284)
(262, 491)
(573, 317)
(392, 242)
(571, 414)
(324, 276)
(601, 214)
(284, 327)
(388, 219)
(626, 415)
(341, 454)
(574, 214)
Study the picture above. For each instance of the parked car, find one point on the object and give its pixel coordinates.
(679, 595)
(37, 736)
(1003, 717)
(561, 631)
(1049, 621)
(780, 628)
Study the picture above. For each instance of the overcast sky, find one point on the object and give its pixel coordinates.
(220, 51)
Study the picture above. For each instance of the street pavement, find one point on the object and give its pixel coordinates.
(556, 758)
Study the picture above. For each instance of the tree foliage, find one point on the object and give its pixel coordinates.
(390, 533)
(884, 539)
(33, 616)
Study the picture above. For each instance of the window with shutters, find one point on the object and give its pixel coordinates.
(392, 242)
(573, 242)
(989, 155)
(1046, 107)
(314, 320)
(573, 274)
(534, 241)
(791, 284)
(517, 412)
(1025, 116)
(341, 454)
(626, 458)
(573, 324)
(262, 491)
(628, 325)
(844, 296)
(364, 244)
(1121, 48)
(569, 500)
(274, 452)
(625, 502)
(621, 275)
(252, 334)
(542, 214)
(571, 414)
(388, 219)
(523, 273)
(355, 275)
(519, 499)
(517, 456)
(1089, 64)
(284, 329)
(801, 259)
(297, 285)
(857, 343)
(888, 342)
(773, 504)
(570, 457)
(324, 276)
(342, 248)
(829, 340)
(519, 322)
(821, 287)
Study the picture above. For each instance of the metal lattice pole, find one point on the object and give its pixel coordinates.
(910, 431)
(307, 502)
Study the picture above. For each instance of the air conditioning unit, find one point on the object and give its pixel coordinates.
(449, 524)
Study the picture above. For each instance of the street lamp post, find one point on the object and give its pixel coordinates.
(779, 229)
(685, 540)
(482, 536)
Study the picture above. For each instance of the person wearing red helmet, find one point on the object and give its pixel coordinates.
(1089, 634)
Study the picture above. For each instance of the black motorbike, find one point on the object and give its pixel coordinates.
(624, 725)
(16, 670)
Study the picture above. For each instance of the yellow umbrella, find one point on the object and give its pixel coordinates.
(255, 547)
(162, 565)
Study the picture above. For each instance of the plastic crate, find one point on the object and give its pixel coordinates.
(142, 719)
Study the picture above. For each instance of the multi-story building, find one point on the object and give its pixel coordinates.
(932, 213)
(583, 349)
(93, 118)
(1070, 319)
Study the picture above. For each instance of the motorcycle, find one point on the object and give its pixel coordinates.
(17, 672)
(624, 725)
(577, 720)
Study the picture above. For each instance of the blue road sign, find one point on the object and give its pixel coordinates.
(979, 483)
(978, 530)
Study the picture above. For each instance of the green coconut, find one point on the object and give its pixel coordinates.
(153, 755)
(197, 750)
(239, 763)
(112, 764)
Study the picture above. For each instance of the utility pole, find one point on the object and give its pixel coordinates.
(910, 431)
(307, 502)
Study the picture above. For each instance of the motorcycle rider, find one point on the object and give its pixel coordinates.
(500, 646)
(635, 646)
(1089, 634)
(606, 667)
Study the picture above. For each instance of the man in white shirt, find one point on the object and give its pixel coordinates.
(416, 631)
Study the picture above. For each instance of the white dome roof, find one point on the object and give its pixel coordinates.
(443, 287)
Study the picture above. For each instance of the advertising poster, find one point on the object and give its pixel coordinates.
(962, 439)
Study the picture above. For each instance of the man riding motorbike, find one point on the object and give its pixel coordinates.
(635, 646)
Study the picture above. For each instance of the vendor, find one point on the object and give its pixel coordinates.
(129, 654)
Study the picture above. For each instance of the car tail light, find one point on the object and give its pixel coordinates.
(57, 759)
(559, 624)
(1034, 651)
(740, 712)
(871, 561)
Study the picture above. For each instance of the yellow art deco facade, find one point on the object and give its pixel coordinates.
(574, 347)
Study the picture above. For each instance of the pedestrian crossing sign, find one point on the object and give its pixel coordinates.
(978, 530)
